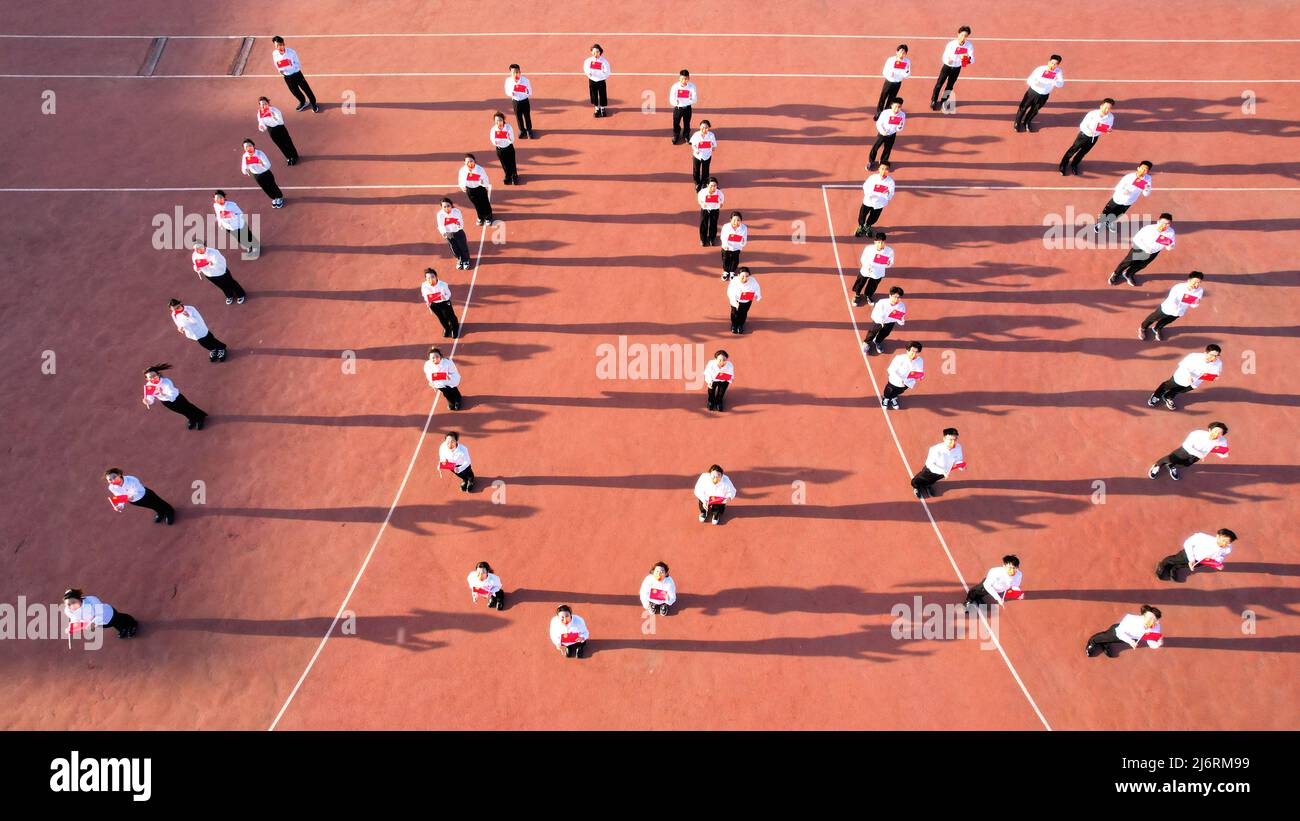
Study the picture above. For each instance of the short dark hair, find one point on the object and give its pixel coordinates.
(445, 201)
(885, 164)
(498, 114)
(896, 290)
(1220, 425)
(218, 193)
(113, 472)
(1155, 611)
(744, 269)
(483, 566)
(174, 302)
(1165, 215)
(898, 100)
(1213, 349)
(249, 141)
(1223, 531)
(597, 47)
(159, 368)
(660, 564)
(428, 271)
(1011, 558)
(706, 123)
(564, 608)
(1055, 57)
(1150, 165)
(965, 29)
(718, 468)
(277, 39)
(683, 73)
(264, 99)
(714, 180)
(916, 345)
(1109, 100)
(901, 47)
(471, 157)
(950, 432)
(1196, 275)
(737, 214)
(454, 434)
(73, 593)
(435, 349)
(721, 352)
(514, 66)
(880, 235)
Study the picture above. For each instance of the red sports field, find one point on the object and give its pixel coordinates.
(321, 584)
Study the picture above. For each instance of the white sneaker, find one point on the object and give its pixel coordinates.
(702, 517)
(893, 403)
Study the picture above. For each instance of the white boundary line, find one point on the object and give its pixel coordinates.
(419, 444)
(907, 469)
(712, 35)
(497, 74)
(420, 187)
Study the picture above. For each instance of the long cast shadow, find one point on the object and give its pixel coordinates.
(413, 631)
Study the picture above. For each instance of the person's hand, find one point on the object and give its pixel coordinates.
(474, 595)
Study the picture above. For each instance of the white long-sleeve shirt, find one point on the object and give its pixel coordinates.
(711, 202)
(954, 52)
(190, 322)
(654, 591)
(454, 459)
(1181, 298)
(734, 237)
(449, 222)
(877, 190)
(483, 587)
(444, 374)
(1202, 546)
(896, 70)
(210, 263)
(165, 390)
(705, 488)
(1130, 187)
(1152, 240)
(747, 291)
(286, 63)
(1044, 80)
(229, 215)
(520, 89)
(712, 373)
(1094, 123)
(503, 136)
(472, 177)
(255, 163)
(1133, 627)
(904, 372)
(575, 632)
(943, 460)
(1199, 444)
(890, 122)
(92, 611)
(682, 96)
(884, 312)
(596, 68)
(268, 117)
(998, 582)
(1193, 370)
(875, 260)
(131, 490)
(435, 294)
(702, 145)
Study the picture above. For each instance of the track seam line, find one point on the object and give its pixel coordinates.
(419, 445)
(907, 469)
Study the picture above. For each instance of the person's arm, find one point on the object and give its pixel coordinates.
(645, 592)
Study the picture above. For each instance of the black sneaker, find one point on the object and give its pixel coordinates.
(1153, 401)
(1142, 335)
(1173, 473)
(1113, 279)
(1130, 279)
(916, 491)
(1169, 403)
(884, 403)
(170, 517)
(1154, 471)
(189, 426)
(157, 518)
(315, 108)
(301, 107)
(199, 424)
(1076, 171)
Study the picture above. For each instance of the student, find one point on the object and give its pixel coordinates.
(210, 264)
(958, 54)
(703, 144)
(888, 124)
(1094, 124)
(683, 96)
(520, 90)
(877, 258)
(1198, 445)
(713, 490)
(1127, 191)
(158, 388)
(473, 180)
(232, 218)
(83, 610)
(437, 295)
(877, 191)
(569, 632)
(1194, 369)
(454, 456)
(658, 590)
(483, 582)
(941, 460)
(190, 322)
(904, 372)
(254, 163)
(451, 224)
(742, 292)
(287, 63)
(897, 69)
(735, 235)
(710, 199)
(1130, 630)
(1182, 296)
(502, 136)
(596, 67)
(1199, 549)
(124, 490)
(718, 375)
(271, 121)
(444, 377)
(885, 314)
(1148, 243)
(1042, 82)
(1001, 585)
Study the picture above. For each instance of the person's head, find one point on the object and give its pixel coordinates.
(901, 51)
(715, 472)
(430, 276)
(1011, 563)
(1054, 61)
(1106, 105)
(721, 357)
(1194, 279)
(219, 196)
(435, 354)
(683, 76)
(499, 119)
(913, 350)
(659, 571)
(200, 247)
(446, 204)
(483, 569)
(564, 613)
(1217, 429)
(897, 104)
(895, 294)
(1225, 537)
(963, 33)
(278, 42)
(175, 306)
(514, 70)
(1212, 352)
(705, 125)
(72, 598)
(154, 372)
(736, 217)
(452, 439)
(1150, 615)
(114, 476)
(1144, 168)
(250, 146)
(743, 273)
(713, 185)
(885, 168)
(470, 161)
(880, 240)
(950, 437)
(263, 102)
(1165, 220)
(596, 50)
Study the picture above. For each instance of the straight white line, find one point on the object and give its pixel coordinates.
(497, 74)
(714, 35)
(830, 223)
(401, 489)
(215, 187)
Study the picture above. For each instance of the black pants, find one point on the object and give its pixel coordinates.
(211, 343)
(482, 205)
(730, 261)
(1135, 260)
(466, 476)
(888, 92)
(459, 247)
(155, 503)
(244, 237)
(978, 595)
(185, 408)
(878, 333)
(1169, 389)
(739, 314)
(447, 316)
(576, 649)
(1078, 150)
(681, 121)
(867, 216)
(597, 89)
(925, 479)
(1108, 642)
(297, 84)
(1112, 212)
(523, 115)
(1159, 317)
(865, 286)
(228, 285)
(453, 396)
(947, 75)
(1171, 567)
(882, 140)
(280, 136)
(709, 225)
(1030, 105)
(266, 181)
(700, 171)
(497, 600)
(717, 390)
(713, 512)
(124, 623)
(506, 156)
(1178, 458)
(892, 391)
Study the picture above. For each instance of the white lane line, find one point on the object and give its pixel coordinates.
(587, 34)
(410, 187)
(857, 333)
(419, 444)
(498, 75)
